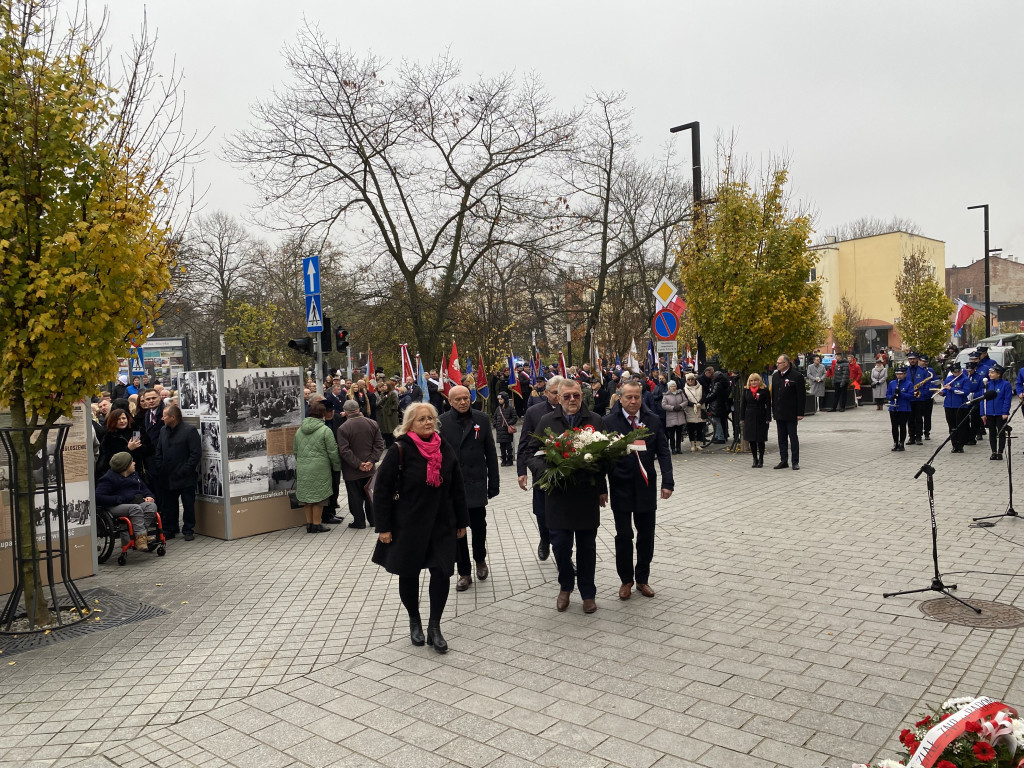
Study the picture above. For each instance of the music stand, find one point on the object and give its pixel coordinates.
(937, 584)
(1010, 511)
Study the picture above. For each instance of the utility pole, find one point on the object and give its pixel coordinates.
(988, 297)
(694, 129)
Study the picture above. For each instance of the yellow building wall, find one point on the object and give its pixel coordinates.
(866, 269)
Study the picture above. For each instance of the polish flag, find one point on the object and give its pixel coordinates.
(562, 370)
(442, 372)
(677, 306)
(963, 311)
(408, 372)
(454, 371)
(371, 379)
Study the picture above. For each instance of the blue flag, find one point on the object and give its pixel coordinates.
(618, 363)
(652, 363)
(421, 380)
(469, 372)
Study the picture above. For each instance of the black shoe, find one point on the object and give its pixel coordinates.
(992, 457)
(895, 446)
(919, 443)
(927, 436)
(169, 535)
(356, 525)
(416, 632)
(434, 637)
(333, 520)
(795, 465)
(781, 465)
(971, 442)
(543, 550)
(191, 536)
(316, 528)
(754, 465)
(999, 457)
(902, 448)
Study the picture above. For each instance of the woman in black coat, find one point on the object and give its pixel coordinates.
(755, 414)
(419, 508)
(121, 436)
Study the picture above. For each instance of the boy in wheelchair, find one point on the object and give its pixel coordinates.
(122, 492)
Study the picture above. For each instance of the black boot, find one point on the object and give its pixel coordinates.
(309, 527)
(755, 464)
(416, 631)
(434, 637)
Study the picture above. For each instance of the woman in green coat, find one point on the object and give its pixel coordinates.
(387, 414)
(316, 458)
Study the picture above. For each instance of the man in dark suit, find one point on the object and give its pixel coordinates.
(178, 453)
(573, 513)
(788, 399)
(469, 433)
(633, 483)
(531, 418)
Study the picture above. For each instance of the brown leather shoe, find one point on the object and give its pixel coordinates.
(625, 591)
(463, 583)
(645, 590)
(481, 571)
(562, 602)
(589, 606)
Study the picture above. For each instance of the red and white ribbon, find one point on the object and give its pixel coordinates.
(946, 732)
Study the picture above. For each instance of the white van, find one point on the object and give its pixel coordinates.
(1004, 356)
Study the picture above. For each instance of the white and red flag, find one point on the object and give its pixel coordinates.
(963, 312)
(454, 370)
(408, 372)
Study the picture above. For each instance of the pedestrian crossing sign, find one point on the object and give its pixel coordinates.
(314, 314)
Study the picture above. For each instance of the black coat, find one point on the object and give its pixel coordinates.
(531, 418)
(575, 508)
(178, 452)
(423, 521)
(755, 413)
(602, 400)
(627, 489)
(116, 441)
(473, 442)
(152, 430)
(502, 419)
(788, 394)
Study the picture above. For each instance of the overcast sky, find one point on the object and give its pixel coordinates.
(885, 107)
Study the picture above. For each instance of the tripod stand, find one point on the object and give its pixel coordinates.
(937, 584)
(1010, 511)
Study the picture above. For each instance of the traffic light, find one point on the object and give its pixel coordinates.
(342, 339)
(326, 336)
(303, 345)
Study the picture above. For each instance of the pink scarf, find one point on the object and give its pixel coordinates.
(431, 451)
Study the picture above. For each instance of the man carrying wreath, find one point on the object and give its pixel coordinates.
(634, 488)
(572, 512)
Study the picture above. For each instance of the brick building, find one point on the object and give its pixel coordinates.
(1006, 283)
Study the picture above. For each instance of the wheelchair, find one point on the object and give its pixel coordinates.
(111, 532)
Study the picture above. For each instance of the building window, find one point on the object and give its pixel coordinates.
(814, 275)
(968, 291)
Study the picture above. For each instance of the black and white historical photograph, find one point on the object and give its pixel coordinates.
(247, 444)
(249, 476)
(206, 388)
(260, 398)
(188, 393)
(210, 431)
(5, 481)
(75, 509)
(282, 472)
(211, 479)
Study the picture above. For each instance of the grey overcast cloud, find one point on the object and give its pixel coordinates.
(884, 108)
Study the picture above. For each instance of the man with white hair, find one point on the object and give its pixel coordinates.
(530, 420)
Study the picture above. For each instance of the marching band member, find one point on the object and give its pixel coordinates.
(928, 396)
(995, 412)
(954, 400)
(899, 395)
(974, 386)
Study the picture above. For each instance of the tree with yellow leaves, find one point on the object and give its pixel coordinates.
(925, 310)
(744, 264)
(89, 164)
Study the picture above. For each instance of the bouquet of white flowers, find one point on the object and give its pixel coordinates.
(581, 450)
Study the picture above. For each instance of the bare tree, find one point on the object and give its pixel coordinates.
(868, 226)
(424, 169)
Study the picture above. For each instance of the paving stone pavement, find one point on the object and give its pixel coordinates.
(768, 643)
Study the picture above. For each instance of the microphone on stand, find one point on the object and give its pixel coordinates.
(990, 395)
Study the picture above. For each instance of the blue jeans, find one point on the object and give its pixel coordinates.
(586, 560)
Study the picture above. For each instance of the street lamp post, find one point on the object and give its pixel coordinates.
(988, 297)
(694, 129)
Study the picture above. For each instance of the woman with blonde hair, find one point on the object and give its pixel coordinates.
(693, 410)
(419, 507)
(755, 414)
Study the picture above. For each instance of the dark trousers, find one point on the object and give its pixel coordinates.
(916, 425)
(787, 435)
(840, 395)
(926, 416)
(995, 423)
(586, 560)
(695, 431)
(506, 453)
(953, 417)
(675, 437)
(478, 526)
(964, 417)
(358, 503)
(331, 506)
(899, 420)
(542, 517)
(625, 519)
(188, 507)
(977, 427)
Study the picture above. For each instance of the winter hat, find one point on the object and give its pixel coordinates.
(119, 462)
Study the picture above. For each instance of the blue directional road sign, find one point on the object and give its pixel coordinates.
(665, 325)
(311, 275)
(314, 314)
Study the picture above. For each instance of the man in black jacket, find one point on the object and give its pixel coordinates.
(178, 452)
(573, 513)
(633, 483)
(788, 399)
(531, 418)
(469, 433)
